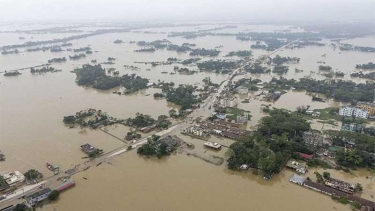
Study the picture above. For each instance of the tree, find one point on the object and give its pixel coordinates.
(54, 195)
(20, 207)
(33, 174)
(172, 113)
(358, 188)
(326, 175)
(319, 177)
(2, 157)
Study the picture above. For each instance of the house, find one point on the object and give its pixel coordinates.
(316, 114)
(39, 196)
(297, 179)
(306, 156)
(88, 149)
(367, 106)
(309, 112)
(352, 111)
(312, 139)
(228, 102)
(296, 167)
(242, 90)
(352, 127)
(14, 178)
(241, 119)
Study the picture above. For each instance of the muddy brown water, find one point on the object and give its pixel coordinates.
(32, 132)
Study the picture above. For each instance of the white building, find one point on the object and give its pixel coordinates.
(352, 111)
(14, 178)
(228, 102)
(242, 90)
(241, 119)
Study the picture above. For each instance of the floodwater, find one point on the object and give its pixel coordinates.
(180, 182)
(32, 132)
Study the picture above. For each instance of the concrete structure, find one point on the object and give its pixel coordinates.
(39, 196)
(296, 167)
(297, 179)
(196, 130)
(367, 106)
(242, 90)
(352, 111)
(352, 127)
(312, 139)
(241, 119)
(14, 178)
(228, 102)
(212, 145)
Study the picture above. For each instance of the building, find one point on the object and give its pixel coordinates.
(312, 139)
(296, 167)
(14, 178)
(297, 179)
(352, 111)
(304, 155)
(195, 130)
(352, 127)
(242, 90)
(88, 149)
(241, 119)
(367, 106)
(228, 102)
(212, 145)
(39, 196)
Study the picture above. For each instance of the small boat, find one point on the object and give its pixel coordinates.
(85, 178)
(147, 94)
(99, 164)
(49, 166)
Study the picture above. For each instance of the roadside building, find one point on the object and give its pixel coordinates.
(14, 178)
(304, 155)
(39, 196)
(68, 184)
(297, 179)
(367, 106)
(352, 111)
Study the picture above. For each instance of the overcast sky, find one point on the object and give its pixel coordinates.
(187, 10)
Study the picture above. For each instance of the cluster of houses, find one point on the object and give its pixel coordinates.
(225, 129)
(316, 139)
(335, 188)
(353, 111)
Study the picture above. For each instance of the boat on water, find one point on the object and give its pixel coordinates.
(49, 166)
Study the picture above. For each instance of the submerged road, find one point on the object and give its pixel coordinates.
(202, 112)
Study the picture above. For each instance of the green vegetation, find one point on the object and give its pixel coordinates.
(349, 47)
(158, 95)
(370, 75)
(12, 73)
(145, 50)
(280, 69)
(185, 71)
(248, 83)
(77, 56)
(21, 207)
(153, 147)
(368, 66)
(91, 118)
(117, 41)
(317, 162)
(42, 70)
(232, 113)
(256, 68)
(204, 52)
(82, 49)
(57, 60)
(178, 48)
(140, 121)
(183, 96)
(33, 174)
(219, 66)
(325, 68)
(278, 60)
(258, 45)
(239, 53)
(190, 61)
(270, 147)
(95, 76)
(54, 195)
